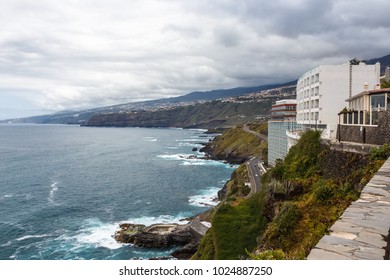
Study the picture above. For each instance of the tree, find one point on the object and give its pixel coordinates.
(385, 84)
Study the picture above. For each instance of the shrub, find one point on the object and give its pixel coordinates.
(380, 153)
(287, 218)
(268, 255)
(323, 193)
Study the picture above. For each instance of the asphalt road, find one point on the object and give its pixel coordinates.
(255, 170)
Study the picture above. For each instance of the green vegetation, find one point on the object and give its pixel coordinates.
(236, 187)
(236, 145)
(311, 188)
(380, 153)
(385, 84)
(235, 229)
(302, 160)
(301, 198)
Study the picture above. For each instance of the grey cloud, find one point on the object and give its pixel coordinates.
(228, 36)
(94, 53)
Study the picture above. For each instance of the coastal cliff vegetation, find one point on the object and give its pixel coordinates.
(236, 146)
(301, 197)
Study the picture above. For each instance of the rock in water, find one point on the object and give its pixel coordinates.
(154, 236)
(127, 232)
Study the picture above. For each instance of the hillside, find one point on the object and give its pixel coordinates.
(212, 114)
(236, 145)
(300, 199)
(384, 61)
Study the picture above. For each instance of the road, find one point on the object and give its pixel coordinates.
(255, 170)
(260, 136)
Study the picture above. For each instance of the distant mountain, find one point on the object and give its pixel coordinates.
(221, 113)
(384, 61)
(82, 116)
(223, 93)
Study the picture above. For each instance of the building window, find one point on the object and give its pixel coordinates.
(377, 101)
(375, 117)
(367, 118)
(388, 101)
(361, 117)
(355, 118)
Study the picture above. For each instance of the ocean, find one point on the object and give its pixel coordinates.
(64, 190)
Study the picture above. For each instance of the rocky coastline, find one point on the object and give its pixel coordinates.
(160, 236)
(233, 146)
(185, 237)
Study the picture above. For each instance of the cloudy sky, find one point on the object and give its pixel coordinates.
(72, 54)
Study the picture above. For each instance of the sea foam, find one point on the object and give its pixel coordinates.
(205, 198)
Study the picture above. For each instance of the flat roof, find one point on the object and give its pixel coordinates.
(369, 92)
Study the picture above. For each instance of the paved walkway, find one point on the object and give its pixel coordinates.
(199, 226)
(362, 232)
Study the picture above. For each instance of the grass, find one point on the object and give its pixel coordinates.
(235, 228)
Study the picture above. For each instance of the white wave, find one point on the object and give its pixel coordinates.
(6, 244)
(6, 196)
(198, 129)
(98, 234)
(176, 156)
(172, 148)
(31, 236)
(152, 140)
(194, 140)
(196, 159)
(192, 145)
(27, 196)
(202, 162)
(53, 189)
(206, 198)
(162, 219)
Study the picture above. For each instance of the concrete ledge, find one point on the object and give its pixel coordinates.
(362, 232)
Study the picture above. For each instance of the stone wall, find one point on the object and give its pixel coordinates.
(362, 231)
(367, 134)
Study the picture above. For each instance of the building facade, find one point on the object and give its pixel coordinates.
(367, 119)
(282, 120)
(322, 91)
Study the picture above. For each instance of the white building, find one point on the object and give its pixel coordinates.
(322, 91)
(282, 120)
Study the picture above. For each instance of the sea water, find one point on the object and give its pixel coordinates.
(64, 190)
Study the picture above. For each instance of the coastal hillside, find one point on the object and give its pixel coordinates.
(223, 113)
(301, 197)
(237, 145)
(214, 114)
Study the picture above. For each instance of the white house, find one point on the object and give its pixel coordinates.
(322, 93)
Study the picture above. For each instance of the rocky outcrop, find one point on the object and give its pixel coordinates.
(226, 155)
(160, 236)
